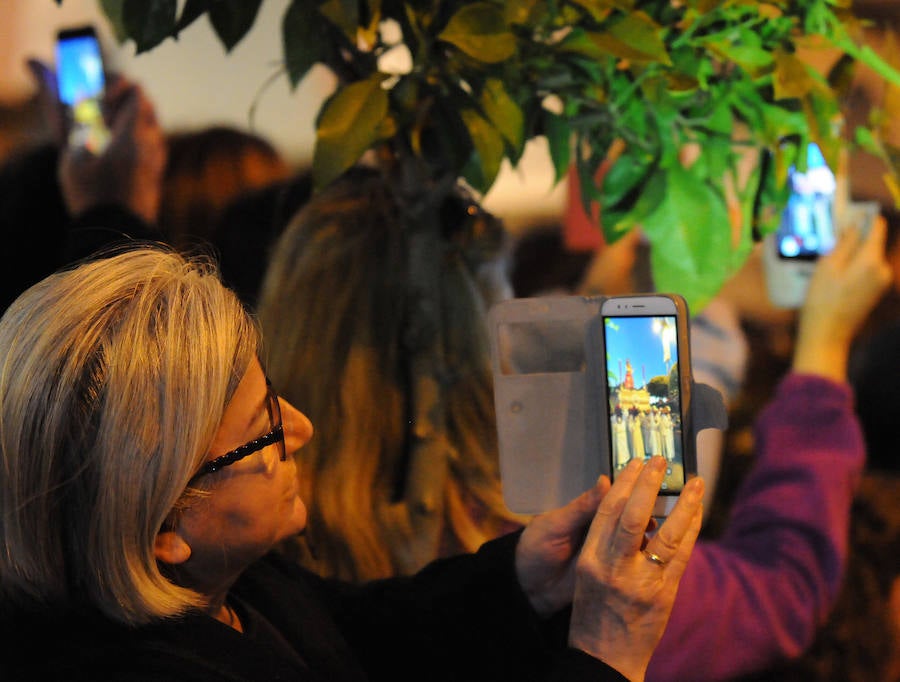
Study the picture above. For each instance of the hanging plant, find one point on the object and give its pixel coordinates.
(451, 89)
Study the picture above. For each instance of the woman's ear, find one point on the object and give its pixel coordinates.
(171, 548)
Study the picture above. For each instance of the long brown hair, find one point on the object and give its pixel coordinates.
(335, 312)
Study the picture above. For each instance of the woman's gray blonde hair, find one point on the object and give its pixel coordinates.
(114, 377)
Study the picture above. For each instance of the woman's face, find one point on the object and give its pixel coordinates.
(253, 503)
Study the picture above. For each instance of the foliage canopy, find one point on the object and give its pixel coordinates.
(452, 88)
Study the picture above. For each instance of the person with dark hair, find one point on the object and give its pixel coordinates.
(207, 169)
(248, 227)
(59, 204)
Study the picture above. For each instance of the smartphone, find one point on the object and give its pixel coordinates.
(807, 227)
(816, 212)
(81, 82)
(647, 386)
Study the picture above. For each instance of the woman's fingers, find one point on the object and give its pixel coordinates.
(675, 539)
(627, 512)
(606, 520)
(629, 536)
(623, 593)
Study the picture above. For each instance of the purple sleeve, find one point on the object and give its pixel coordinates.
(760, 591)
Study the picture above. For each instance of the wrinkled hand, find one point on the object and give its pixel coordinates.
(129, 170)
(845, 286)
(545, 555)
(623, 599)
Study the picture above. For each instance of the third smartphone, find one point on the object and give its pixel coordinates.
(81, 83)
(807, 227)
(646, 380)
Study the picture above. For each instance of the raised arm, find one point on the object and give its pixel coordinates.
(759, 592)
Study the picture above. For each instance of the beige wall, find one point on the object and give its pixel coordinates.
(194, 83)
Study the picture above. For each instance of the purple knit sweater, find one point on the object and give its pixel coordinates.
(760, 591)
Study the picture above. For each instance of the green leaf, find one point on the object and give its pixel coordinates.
(626, 178)
(720, 118)
(579, 41)
(598, 11)
(479, 30)
(302, 34)
(192, 10)
(867, 141)
(350, 123)
(113, 10)
(503, 112)
(559, 141)
(231, 19)
(520, 11)
(620, 218)
(691, 241)
(864, 54)
(636, 37)
(149, 22)
(742, 47)
(344, 14)
(792, 76)
(488, 153)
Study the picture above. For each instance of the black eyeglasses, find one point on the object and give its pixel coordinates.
(275, 436)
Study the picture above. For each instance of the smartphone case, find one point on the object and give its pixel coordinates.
(550, 404)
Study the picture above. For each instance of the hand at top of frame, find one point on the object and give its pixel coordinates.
(129, 170)
(845, 286)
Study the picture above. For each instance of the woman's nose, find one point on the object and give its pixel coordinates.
(297, 427)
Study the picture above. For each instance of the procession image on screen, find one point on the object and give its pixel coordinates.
(642, 378)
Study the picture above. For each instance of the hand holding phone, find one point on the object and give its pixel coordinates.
(646, 381)
(81, 84)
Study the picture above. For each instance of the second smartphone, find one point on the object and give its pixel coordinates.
(645, 377)
(81, 83)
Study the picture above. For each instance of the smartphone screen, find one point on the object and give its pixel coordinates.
(807, 227)
(81, 82)
(644, 391)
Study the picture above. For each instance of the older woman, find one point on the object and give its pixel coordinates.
(146, 478)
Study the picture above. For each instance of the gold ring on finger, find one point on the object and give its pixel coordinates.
(653, 558)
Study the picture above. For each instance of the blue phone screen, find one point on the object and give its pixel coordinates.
(79, 69)
(807, 229)
(642, 375)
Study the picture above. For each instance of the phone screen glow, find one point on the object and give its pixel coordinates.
(643, 390)
(807, 229)
(79, 69)
(80, 77)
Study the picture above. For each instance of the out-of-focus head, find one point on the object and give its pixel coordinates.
(206, 170)
(114, 378)
(344, 263)
(352, 295)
